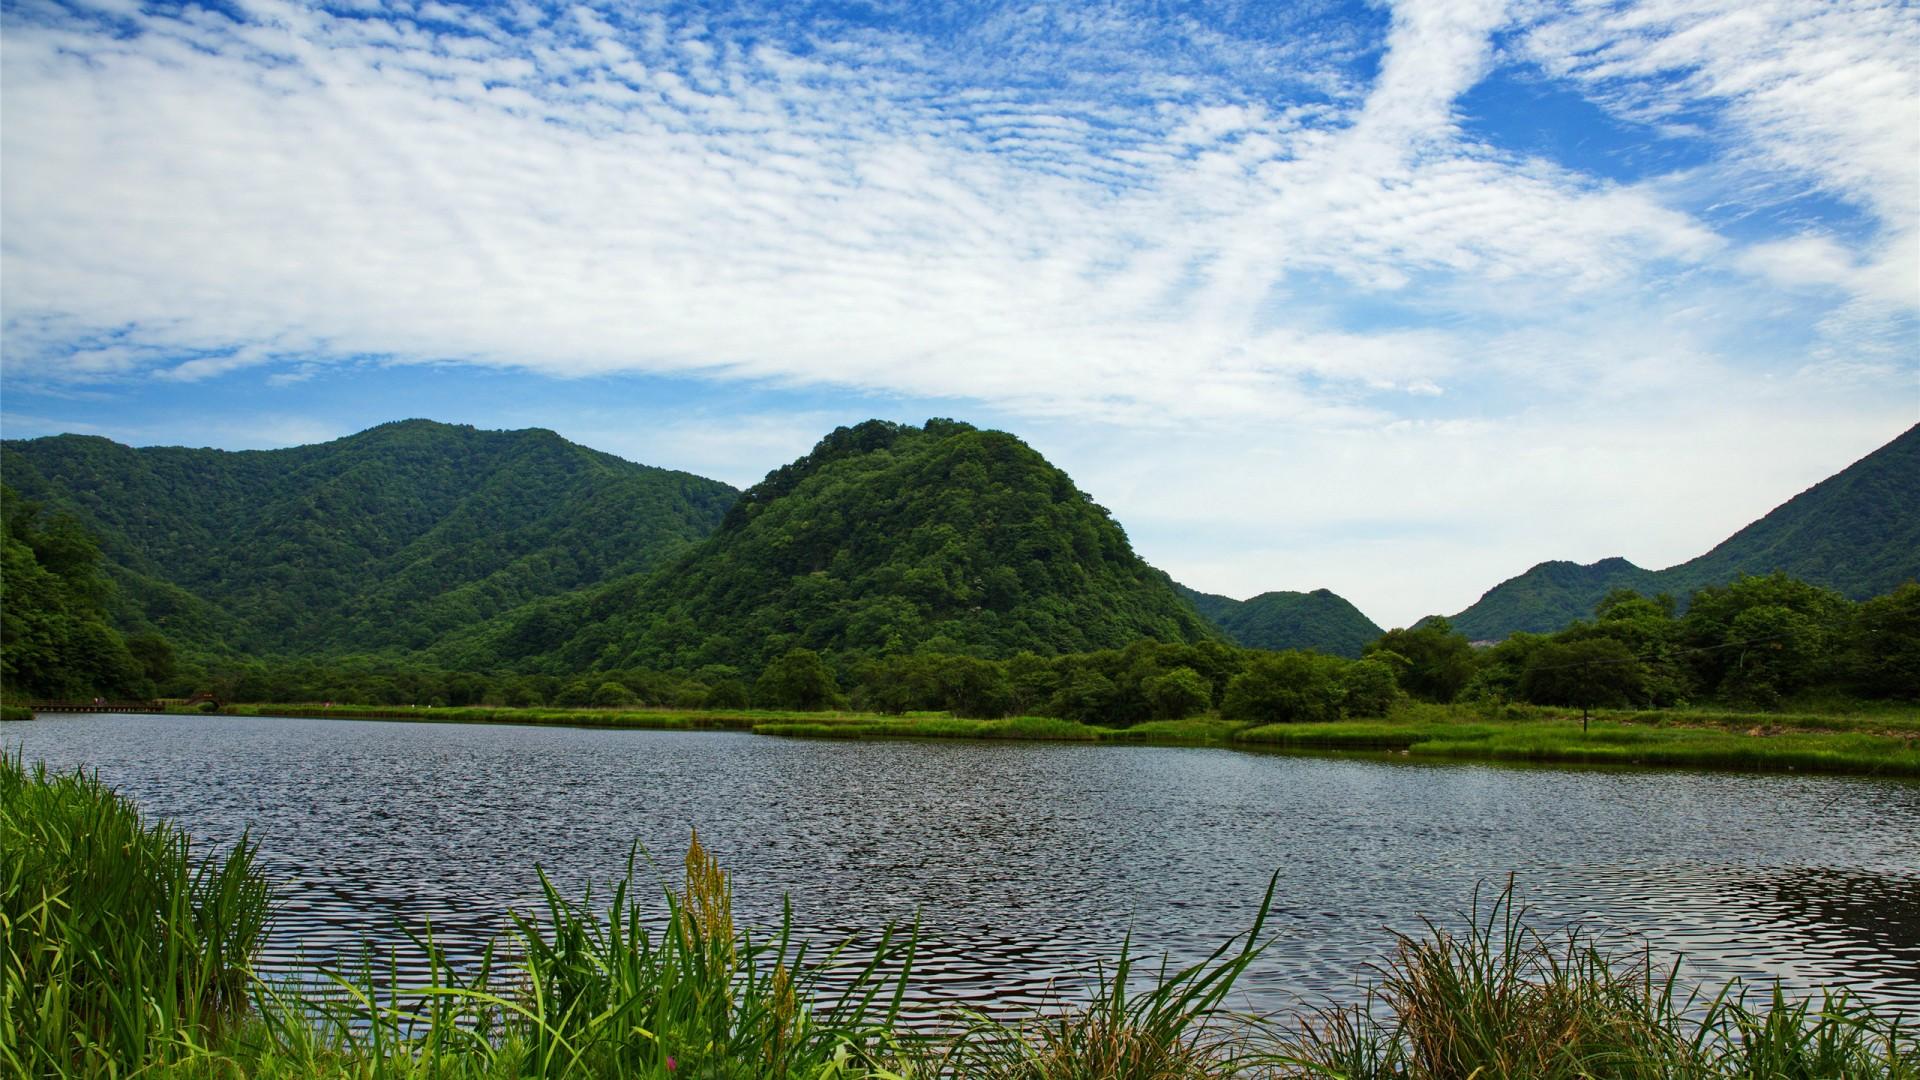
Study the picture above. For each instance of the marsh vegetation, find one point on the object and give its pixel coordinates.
(130, 955)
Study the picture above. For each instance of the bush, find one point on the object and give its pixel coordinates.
(1435, 663)
(612, 695)
(1286, 688)
(1178, 694)
(799, 680)
(1368, 688)
(1596, 671)
(727, 694)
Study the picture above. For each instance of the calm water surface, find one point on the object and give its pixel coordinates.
(1024, 862)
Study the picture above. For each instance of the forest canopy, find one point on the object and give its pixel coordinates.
(891, 568)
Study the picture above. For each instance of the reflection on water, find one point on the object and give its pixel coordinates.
(1026, 862)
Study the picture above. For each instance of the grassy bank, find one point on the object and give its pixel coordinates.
(1880, 741)
(1885, 743)
(657, 719)
(127, 957)
(15, 712)
(928, 726)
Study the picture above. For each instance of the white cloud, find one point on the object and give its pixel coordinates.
(737, 448)
(1822, 94)
(258, 430)
(1108, 230)
(1422, 518)
(597, 195)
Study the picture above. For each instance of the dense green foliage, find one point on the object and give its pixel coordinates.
(885, 539)
(1118, 688)
(1286, 688)
(893, 568)
(1430, 660)
(1548, 597)
(121, 944)
(1317, 620)
(1758, 641)
(382, 541)
(1857, 533)
(55, 637)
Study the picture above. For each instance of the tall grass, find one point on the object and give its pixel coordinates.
(126, 956)
(121, 947)
(604, 992)
(1173, 1029)
(935, 726)
(1503, 1000)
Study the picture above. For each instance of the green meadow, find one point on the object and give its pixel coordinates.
(1879, 740)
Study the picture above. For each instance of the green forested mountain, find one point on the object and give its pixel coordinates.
(56, 637)
(381, 541)
(1288, 620)
(1856, 532)
(419, 542)
(885, 538)
(1550, 596)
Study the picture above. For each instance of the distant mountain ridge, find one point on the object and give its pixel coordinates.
(885, 538)
(519, 548)
(381, 541)
(1319, 620)
(1856, 532)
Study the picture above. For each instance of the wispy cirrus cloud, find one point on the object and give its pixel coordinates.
(577, 191)
(1261, 233)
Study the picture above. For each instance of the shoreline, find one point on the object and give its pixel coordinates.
(1880, 744)
(672, 986)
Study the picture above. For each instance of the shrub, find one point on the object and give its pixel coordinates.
(612, 694)
(799, 680)
(1368, 688)
(1286, 688)
(1178, 694)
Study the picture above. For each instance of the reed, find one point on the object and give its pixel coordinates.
(126, 956)
(1174, 1029)
(597, 991)
(1503, 1000)
(932, 726)
(121, 946)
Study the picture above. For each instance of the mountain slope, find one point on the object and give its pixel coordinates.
(1857, 532)
(884, 538)
(384, 540)
(1319, 620)
(1549, 596)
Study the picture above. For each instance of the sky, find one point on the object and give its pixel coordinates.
(1395, 299)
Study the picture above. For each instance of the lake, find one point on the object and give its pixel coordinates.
(1025, 862)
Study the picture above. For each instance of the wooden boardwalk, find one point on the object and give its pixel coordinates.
(96, 705)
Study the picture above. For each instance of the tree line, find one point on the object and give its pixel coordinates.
(1758, 642)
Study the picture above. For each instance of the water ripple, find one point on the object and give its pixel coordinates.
(1026, 862)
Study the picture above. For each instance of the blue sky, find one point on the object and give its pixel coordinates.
(1395, 299)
